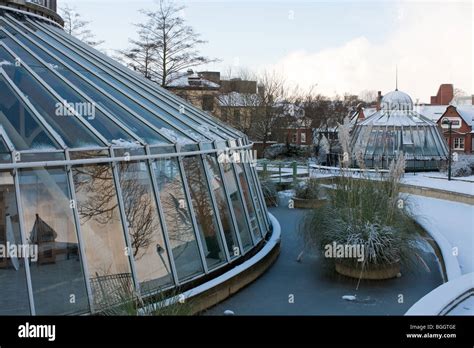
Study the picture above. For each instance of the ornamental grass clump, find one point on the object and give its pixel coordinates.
(308, 190)
(124, 301)
(270, 192)
(364, 212)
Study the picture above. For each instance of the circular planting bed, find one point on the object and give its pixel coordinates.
(373, 273)
(300, 203)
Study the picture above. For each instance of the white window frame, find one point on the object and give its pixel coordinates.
(459, 144)
(303, 138)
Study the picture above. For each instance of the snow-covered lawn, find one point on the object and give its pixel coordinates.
(454, 221)
(440, 181)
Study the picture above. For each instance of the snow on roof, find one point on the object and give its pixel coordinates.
(397, 100)
(369, 111)
(467, 113)
(189, 80)
(235, 99)
(433, 112)
(397, 118)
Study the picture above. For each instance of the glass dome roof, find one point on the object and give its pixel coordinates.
(397, 100)
(110, 179)
(395, 129)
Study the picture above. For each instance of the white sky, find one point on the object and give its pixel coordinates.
(340, 46)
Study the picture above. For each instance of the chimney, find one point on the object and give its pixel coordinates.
(379, 101)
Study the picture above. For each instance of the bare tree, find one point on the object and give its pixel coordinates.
(368, 96)
(458, 92)
(74, 25)
(272, 91)
(142, 56)
(166, 44)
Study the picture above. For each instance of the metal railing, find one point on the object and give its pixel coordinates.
(111, 289)
(50, 4)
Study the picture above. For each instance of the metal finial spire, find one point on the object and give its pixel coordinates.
(396, 79)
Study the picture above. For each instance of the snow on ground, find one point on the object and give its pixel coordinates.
(455, 221)
(434, 180)
(440, 181)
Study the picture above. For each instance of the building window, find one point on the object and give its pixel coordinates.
(459, 143)
(294, 138)
(207, 102)
(303, 138)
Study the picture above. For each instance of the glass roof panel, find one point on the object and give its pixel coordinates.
(208, 125)
(99, 98)
(405, 131)
(120, 91)
(49, 106)
(72, 132)
(5, 155)
(22, 127)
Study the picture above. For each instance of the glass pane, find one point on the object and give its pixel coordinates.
(23, 129)
(5, 155)
(248, 201)
(27, 157)
(256, 200)
(102, 233)
(238, 206)
(13, 289)
(57, 274)
(203, 210)
(144, 226)
(371, 143)
(224, 211)
(408, 146)
(178, 219)
(73, 133)
(98, 120)
(169, 100)
(430, 146)
(127, 96)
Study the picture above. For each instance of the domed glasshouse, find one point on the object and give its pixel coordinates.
(397, 128)
(114, 179)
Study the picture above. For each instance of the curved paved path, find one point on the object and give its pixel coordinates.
(317, 290)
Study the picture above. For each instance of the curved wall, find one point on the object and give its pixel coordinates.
(115, 184)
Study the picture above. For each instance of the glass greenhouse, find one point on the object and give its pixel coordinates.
(114, 179)
(396, 129)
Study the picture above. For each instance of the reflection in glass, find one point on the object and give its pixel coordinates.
(102, 233)
(74, 134)
(13, 290)
(248, 200)
(253, 189)
(178, 219)
(57, 276)
(21, 126)
(146, 236)
(203, 210)
(222, 205)
(237, 205)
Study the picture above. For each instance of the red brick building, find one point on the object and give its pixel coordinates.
(444, 96)
(300, 136)
(462, 132)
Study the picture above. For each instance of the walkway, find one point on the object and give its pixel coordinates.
(317, 290)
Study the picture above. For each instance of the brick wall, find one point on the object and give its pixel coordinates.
(445, 95)
(462, 132)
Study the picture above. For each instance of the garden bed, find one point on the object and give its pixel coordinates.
(300, 203)
(372, 273)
